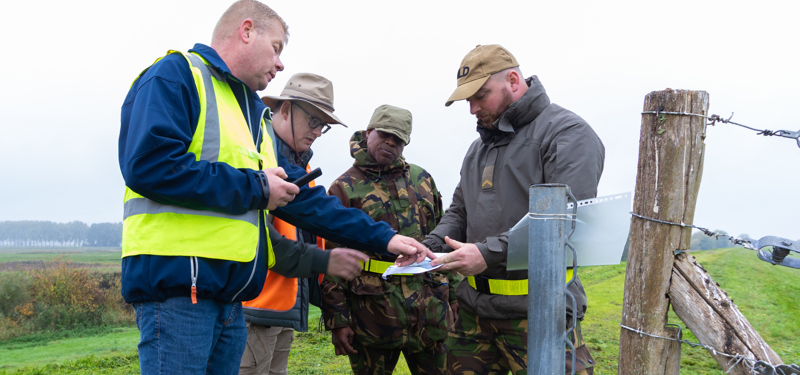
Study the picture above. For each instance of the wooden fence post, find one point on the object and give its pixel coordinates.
(670, 167)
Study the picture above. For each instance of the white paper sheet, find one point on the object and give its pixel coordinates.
(419, 267)
(602, 229)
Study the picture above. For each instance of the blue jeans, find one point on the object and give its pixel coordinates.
(179, 338)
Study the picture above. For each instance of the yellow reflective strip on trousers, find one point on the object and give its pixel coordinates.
(379, 266)
(509, 287)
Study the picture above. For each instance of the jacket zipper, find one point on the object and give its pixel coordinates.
(195, 270)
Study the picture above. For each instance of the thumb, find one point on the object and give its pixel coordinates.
(453, 243)
(278, 171)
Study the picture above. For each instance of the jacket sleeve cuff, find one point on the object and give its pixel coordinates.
(319, 263)
(261, 180)
(338, 321)
(492, 255)
(434, 243)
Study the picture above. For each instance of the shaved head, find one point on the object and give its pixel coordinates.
(261, 15)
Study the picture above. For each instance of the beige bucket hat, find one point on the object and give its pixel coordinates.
(311, 88)
(478, 66)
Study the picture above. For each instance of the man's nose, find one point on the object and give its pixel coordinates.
(473, 107)
(317, 131)
(279, 64)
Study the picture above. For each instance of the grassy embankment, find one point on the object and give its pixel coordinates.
(768, 296)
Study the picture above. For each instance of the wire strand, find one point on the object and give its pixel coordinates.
(735, 359)
(735, 240)
(713, 119)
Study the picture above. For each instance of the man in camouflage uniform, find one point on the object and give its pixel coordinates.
(524, 140)
(374, 320)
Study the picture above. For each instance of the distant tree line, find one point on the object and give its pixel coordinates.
(700, 241)
(51, 234)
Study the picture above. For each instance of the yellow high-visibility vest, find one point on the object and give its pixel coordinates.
(222, 136)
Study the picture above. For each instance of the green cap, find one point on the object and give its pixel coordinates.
(392, 120)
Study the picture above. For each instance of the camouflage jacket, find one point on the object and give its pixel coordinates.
(403, 311)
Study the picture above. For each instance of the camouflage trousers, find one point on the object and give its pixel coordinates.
(478, 346)
(372, 361)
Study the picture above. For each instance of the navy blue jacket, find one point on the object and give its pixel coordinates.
(158, 120)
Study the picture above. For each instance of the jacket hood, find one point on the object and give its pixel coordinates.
(358, 150)
(520, 113)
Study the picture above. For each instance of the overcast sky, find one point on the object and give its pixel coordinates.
(68, 65)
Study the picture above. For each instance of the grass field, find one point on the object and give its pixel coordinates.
(769, 296)
(31, 257)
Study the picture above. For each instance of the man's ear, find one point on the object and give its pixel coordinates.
(286, 109)
(513, 80)
(247, 31)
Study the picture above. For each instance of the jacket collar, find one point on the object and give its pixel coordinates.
(519, 114)
(213, 59)
(300, 160)
(216, 62)
(358, 150)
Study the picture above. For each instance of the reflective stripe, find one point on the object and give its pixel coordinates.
(508, 287)
(379, 266)
(211, 136)
(138, 206)
(270, 131)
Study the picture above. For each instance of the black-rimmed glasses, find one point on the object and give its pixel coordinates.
(314, 122)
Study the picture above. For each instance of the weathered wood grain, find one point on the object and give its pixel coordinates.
(669, 172)
(713, 317)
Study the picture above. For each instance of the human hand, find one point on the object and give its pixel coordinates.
(455, 307)
(345, 263)
(280, 191)
(408, 250)
(342, 339)
(465, 259)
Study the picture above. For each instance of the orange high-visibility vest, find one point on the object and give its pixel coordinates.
(280, 293)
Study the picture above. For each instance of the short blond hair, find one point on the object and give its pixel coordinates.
(241, 10)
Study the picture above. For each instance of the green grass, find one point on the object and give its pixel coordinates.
(769, 296)
(39, 257)
(63, 352)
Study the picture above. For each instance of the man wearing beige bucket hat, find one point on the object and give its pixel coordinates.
(524, 139)
(301, 114)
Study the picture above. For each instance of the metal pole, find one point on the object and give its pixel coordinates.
(547, 232)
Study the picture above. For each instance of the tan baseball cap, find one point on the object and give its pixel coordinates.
(478, 66)
(392, 120)
(311, 88)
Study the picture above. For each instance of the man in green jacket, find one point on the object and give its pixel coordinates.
(374, 320)
(524, 140)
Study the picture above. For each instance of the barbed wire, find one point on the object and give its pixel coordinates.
(755, 366)
(746, 242)
(713, 119)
